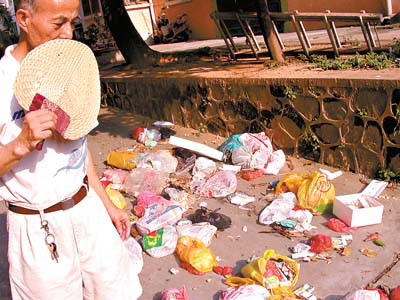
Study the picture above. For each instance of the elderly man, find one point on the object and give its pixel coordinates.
(88, 259)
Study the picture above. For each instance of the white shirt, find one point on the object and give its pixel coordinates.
(41, 178)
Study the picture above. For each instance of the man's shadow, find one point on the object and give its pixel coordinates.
(5, 292)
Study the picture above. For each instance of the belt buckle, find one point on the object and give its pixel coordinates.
(67, 203)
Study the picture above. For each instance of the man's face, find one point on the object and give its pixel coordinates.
(51, 19)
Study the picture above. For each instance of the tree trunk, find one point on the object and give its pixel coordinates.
(270, 38)
(133, 48)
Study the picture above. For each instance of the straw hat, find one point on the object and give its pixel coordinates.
(65, 72)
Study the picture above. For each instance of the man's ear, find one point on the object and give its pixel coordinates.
(23, 17)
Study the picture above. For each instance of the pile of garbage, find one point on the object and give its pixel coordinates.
(166, 184)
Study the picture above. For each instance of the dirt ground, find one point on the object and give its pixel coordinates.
(332, 278)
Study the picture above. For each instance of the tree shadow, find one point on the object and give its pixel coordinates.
(119, 123)
(334, 297)
(5, 291)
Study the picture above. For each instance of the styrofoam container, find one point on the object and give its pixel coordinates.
(353, 216)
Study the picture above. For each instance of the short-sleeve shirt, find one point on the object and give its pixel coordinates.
(41, 178)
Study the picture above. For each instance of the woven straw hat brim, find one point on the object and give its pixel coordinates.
(66, 73)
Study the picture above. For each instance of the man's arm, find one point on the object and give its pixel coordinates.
(37, 126)
(119, 217)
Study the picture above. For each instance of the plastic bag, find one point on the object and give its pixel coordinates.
(149, 137)
(252, 175)
(289, 183)
(204, 165)
(283, 208)
(362, 295)
(273, 271)
(221, 184)
(245, 292)
(135, 254)
(175, 294)
(148, 198)
(122, 160)
(255, 152)
(395, 294)
(201, 231)
(161, 242)
(158, 216)
(116, 197)
(219, 220)
(320, 243)
(316, 193)
(179, 196)
(116, 176)
(140, 180)
(162, 161)
(339, 226)
(193, 252)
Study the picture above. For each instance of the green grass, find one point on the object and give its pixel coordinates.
(371, 60)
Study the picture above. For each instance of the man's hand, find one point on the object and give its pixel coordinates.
(120, 218)
(38, 125)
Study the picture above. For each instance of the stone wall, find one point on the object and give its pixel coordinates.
(350, 124)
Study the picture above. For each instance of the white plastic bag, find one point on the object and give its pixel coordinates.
(135, 254)
(204, 165)
(202, 231)
(161, 242)
(158, 216)
(362, 295)
(257, 152)
(161, 160)
(245, 292)
(141, 180)
(179, 196)
(221, 184)
(282, 209)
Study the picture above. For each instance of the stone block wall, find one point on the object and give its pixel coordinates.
(350, 124)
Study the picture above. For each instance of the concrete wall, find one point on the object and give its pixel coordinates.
(349, 124)
(198, 12)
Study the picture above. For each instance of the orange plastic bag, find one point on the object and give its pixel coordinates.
(289, 183)
(316, 194)
(122, 160)
(192, 251)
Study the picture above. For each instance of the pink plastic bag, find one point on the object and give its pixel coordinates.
(175, 294)
(148, 198)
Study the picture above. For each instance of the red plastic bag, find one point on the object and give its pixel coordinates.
(175, 294)
(223, 270)
(395, 294)
(320, 243)
(251, 175)
(339, 226)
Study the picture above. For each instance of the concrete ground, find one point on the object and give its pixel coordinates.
(332, 278)
(317, 37)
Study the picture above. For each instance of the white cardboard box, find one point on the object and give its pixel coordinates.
(353, 216)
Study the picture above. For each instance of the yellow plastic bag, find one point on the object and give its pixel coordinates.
(192, 251)
(116, 197)
(316, 194)
(256, 270)
(289, 183)
(122, 160)
(239, 281)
